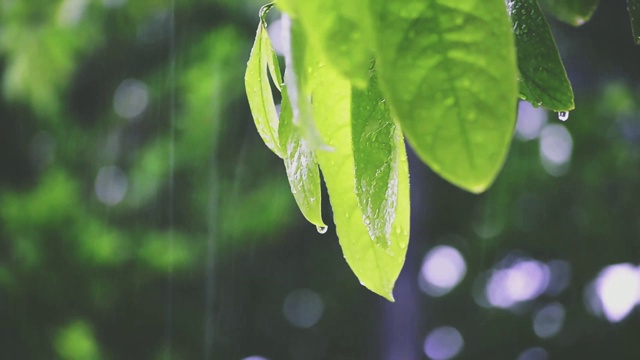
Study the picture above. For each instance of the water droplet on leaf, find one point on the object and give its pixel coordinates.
(563, 115)
(322, 229)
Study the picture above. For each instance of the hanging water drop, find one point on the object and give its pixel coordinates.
(322, 229)
(563, 115)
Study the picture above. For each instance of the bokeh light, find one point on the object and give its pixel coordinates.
(442, 269)
(303, 308)
(548, 321)
(530, 121)
(534, 353)
(71, 11)
(130, 99)
(443, 343)
(525, 280)
(618, 289)
(275, 35)
(111, 185)
(255, 357)
(556, 147)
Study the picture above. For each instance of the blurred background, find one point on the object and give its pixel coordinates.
(141, 217)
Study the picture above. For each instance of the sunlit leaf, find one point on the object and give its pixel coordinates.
(574, 12)
(338, 29)
(376, 143)
(376, 267)
(259, 87)
(302, 169)
(543, 79)
(634, 12)
(448, 70)
(297, 81)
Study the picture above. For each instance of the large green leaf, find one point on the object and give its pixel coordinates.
(300, 162)
(258, 86)
(574, 12)
(338, 29)
(376, 267)
(543, 79)
(634, 12)
(448, 70)
(376, 139)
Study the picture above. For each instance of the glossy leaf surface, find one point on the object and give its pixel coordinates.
(574, 12)
(543, 79)
(337, 29)
(448, 70)
(258, 87)
(376, 142)
(376, 267)
(302, 169)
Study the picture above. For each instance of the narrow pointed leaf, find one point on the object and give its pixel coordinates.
(543, 79)
(302, 169)
(376, 139)
(634, 12)
(338, 29)
(448, 70)
(574, 12)
(258, 87)
(376, 267)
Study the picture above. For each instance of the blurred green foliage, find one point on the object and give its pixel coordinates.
(67, 258)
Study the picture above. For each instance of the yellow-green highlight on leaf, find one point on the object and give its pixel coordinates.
(279, 133)
(376, 141)
(297, 80)
(448, 70)
(302, 169)
(339, 30)
(574, 12)
(634, 13)
(258, 86)
(543, 79)
(376, 267)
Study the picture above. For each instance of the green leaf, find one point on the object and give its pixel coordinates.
(376, 139)
(338, 29)
(574, 12)
(258, 87)
(543, 79)
(300, 162)
(376, 267)
(448, 70)
(634, 12)
(297, 81)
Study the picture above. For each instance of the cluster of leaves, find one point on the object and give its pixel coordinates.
(362, 75)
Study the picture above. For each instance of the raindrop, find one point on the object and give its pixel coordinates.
(322, 229)
(563, 115)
